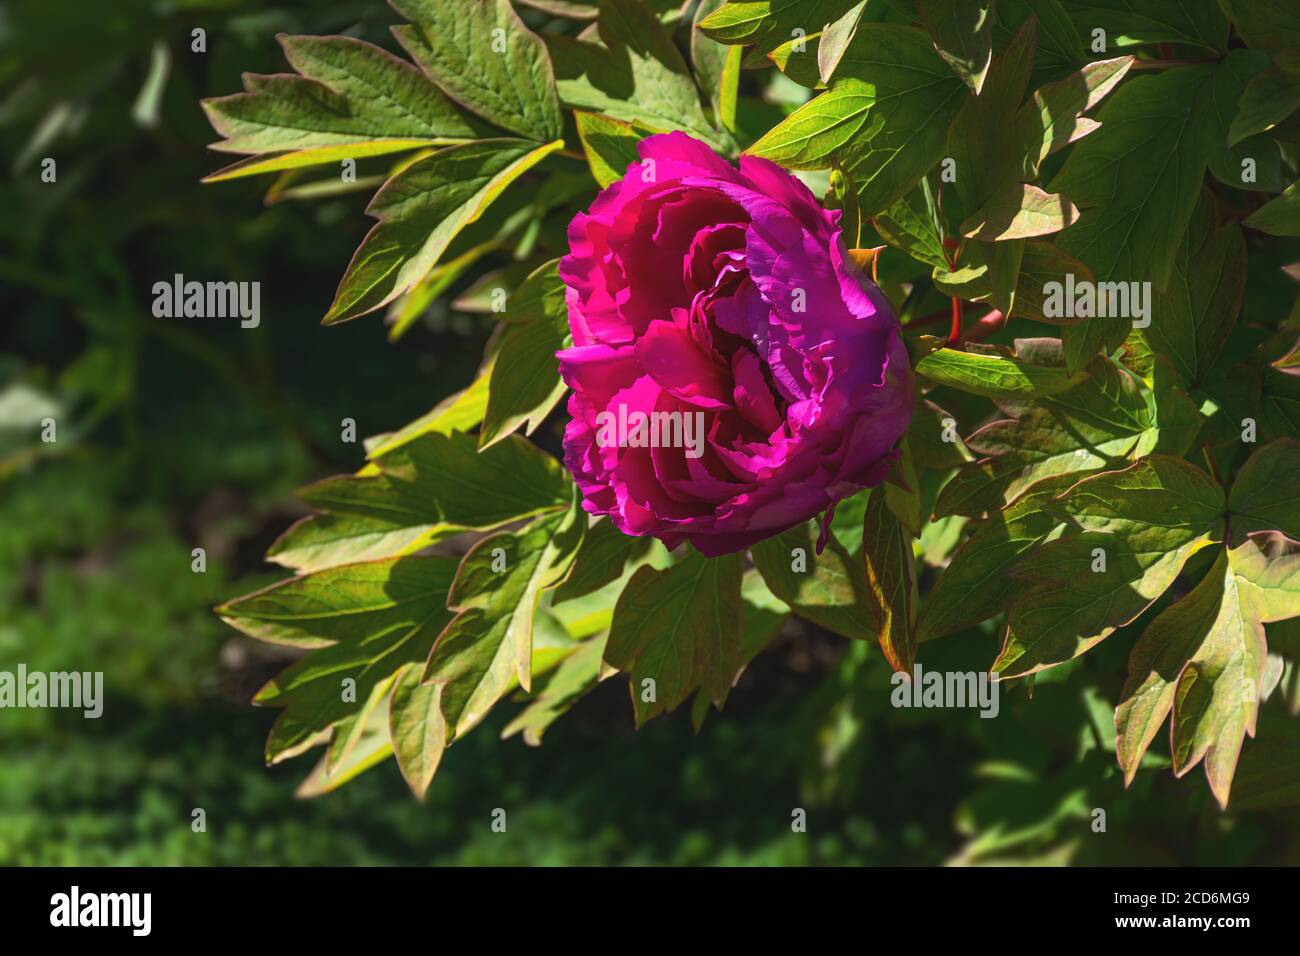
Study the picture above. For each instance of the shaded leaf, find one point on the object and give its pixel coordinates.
(680, 628)
(481, 54)
(420, 211)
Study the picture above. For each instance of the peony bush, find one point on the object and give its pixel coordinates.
(916, 321)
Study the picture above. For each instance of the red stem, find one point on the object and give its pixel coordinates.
(954, 334)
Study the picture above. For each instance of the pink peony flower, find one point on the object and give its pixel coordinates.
(734, 372)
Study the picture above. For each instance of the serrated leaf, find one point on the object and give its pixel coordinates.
(1265, 496)
(482, 56)
(680, 628)
(764, 615)
(638, 76)
(488, 647)
(829, 589)
(526, 384)
(1155, 663)
(996, 374)
(362, 622)
(962, 33)
(1144, 523)
(1279, 216)
(351, 99)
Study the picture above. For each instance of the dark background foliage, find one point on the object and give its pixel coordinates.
(184, 434)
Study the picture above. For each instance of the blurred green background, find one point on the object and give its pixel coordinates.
(175, 434)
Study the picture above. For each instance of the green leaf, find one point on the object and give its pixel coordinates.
(1059, 47)
(416, 727)
(708, 56)
(1144, 522)
(526, 383)
(408, 309)
(1005, 261)
(577, 674)
(1279, 408)
(610, 145)
(797, 59)
(605, 553)
(716, 68)
(756, 21)
(1053, 118)
(1280, 216)
(835, 39)
(884, 119)
(1020, 211)
(829, 589)
(1216, 699)
(996, 374)
(1103, 422)
(488, 647)
(962, 32)
(907, 130)
(1268, 99)
(679, 628)
(420, 211)
(352, 99)
(363, 622)
(638, 76)
(1158, 658)
(481, 54)
(891, 582)
(426, 489)
(1203, 659)
(1042, 263)
(457, 412)
(1137, 179)
(977, 583)
(1265, 496)
(913, 225)
(764, 615)
(1191, 319)
(1154, 21)
(1271, 27)
(977, 140)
